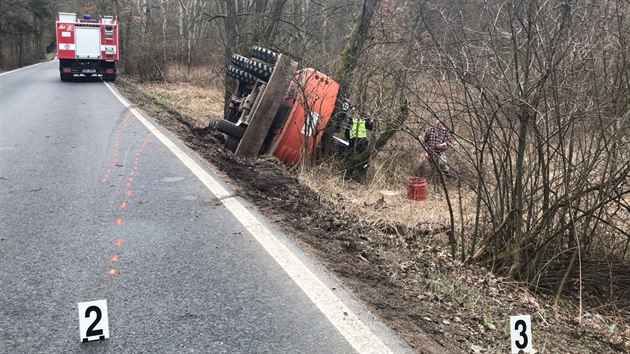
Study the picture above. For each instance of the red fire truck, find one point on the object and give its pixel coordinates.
(87, 46)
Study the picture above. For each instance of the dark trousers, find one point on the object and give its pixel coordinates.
(357, 147)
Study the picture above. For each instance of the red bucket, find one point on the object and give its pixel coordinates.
(417, 188)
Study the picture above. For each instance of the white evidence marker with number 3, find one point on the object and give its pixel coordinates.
(521, 334)
(93, 320)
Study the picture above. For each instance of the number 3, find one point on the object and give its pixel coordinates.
(522, 333)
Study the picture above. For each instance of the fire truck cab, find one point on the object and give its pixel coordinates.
(87, 46)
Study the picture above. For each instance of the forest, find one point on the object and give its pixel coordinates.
(536, 93)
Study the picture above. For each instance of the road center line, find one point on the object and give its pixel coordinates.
(347, 323)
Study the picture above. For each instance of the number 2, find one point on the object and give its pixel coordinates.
(90, 331)
(89, 322)
(522, 333)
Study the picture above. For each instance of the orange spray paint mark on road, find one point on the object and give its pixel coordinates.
(119, 132)
(128, 184)
(107, 172)
(136, 162)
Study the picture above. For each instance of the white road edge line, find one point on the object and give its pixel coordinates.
(22, 68)
(362, 339)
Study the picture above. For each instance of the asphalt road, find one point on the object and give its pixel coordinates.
(94, 206)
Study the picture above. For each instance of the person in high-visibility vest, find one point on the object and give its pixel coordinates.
(357, 134)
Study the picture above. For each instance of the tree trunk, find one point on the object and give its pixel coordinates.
(517, 196)
(230, 47)
(345, 67)
(20, 50)
(350, 56)
(121, 42)
(180, 30)
(392, 125)
(163, 6)
(525, 114)
(276, 13)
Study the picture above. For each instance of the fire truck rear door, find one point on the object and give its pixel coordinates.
(88, 42)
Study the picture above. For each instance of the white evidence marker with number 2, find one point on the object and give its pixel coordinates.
(521, 334)
(93, 320)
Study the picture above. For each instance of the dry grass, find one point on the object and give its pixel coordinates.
(198, 76)
(380, 201)
(196, 92)
(200, 103)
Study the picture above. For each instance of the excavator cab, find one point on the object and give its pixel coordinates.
(276, 108)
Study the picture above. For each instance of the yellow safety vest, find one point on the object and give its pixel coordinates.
(358, 129)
